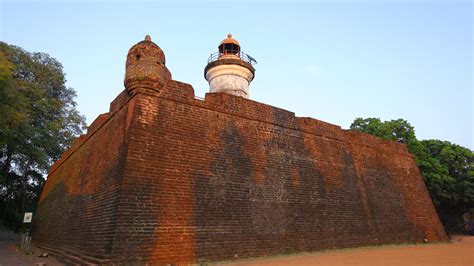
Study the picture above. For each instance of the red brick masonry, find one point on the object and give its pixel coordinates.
(166, 178)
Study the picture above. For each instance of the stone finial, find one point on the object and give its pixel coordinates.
(148, 38)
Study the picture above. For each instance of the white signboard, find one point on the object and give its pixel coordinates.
(28, 217)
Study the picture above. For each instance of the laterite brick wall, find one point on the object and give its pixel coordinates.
(78, 205)
(229, 178)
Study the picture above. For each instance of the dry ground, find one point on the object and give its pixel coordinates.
(11, 255)
(459, 252)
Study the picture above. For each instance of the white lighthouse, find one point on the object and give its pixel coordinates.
(230, 70)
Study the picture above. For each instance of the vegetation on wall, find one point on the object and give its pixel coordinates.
(38, 122)
(447, 168)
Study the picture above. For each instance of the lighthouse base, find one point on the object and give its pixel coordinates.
(230, 79)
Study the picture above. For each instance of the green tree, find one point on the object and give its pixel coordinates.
(39, 121)
(448, 169)
(398, 130)
(458, 162)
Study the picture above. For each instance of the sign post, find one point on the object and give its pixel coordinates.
(28, 217)
(26, 238)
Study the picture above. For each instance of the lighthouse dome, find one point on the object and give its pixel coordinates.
(229, 39)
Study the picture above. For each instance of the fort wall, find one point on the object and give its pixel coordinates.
(78, 206)
(164, 177)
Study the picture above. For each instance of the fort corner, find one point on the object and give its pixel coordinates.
(166, 178)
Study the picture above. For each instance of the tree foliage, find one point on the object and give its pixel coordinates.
(458, 166)
(447, 168)
(38, 122)
(398, 130)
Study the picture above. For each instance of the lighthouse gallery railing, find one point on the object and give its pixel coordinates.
(243, 56)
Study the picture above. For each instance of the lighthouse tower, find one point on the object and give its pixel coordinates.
(230, 70)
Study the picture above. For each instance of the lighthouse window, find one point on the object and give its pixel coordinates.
(229, 48)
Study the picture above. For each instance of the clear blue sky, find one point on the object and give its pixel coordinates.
(331, 60)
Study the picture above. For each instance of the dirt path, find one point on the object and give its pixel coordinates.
(459, 252)
(11, 255)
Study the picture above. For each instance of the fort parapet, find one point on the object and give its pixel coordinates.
(164, 177)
